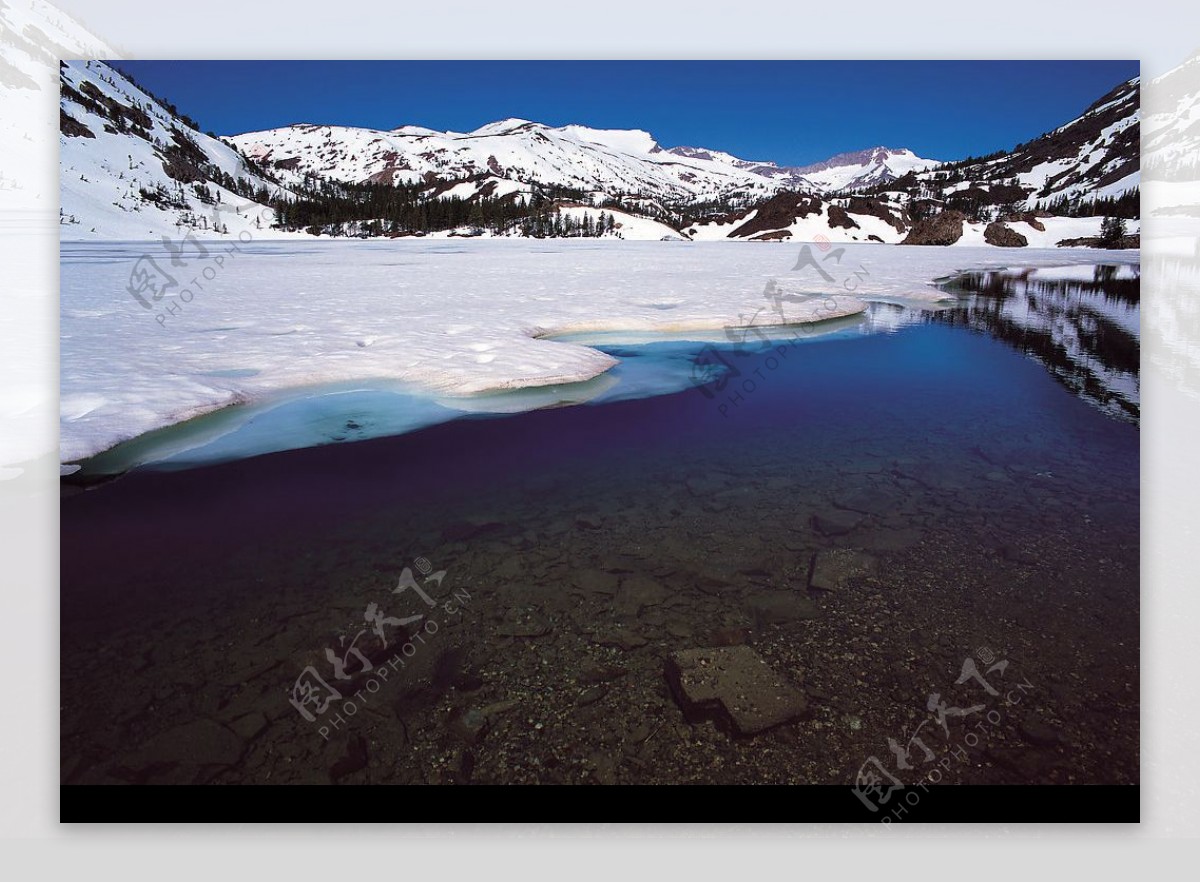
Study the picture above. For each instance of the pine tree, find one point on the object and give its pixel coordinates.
(1112, 230)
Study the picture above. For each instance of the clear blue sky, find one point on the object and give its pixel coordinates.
(792, 112)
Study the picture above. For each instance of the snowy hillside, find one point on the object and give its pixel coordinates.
(131, 168)
(1048, 191)
(788, 218)
(1094, 156)
(863, 168)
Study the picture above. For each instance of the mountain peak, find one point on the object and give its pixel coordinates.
(856, 157)
(503, 127)
(858, 168)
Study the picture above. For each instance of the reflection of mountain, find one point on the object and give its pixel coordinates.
(1086, 331)
(1173, 345)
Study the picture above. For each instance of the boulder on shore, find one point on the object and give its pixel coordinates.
(944, 228)
(999, 233)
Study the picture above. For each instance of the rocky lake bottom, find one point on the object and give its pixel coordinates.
(913, 552)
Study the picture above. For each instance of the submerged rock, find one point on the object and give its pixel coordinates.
(187, 754)
(623, 639)
(199, 743)
(776, 608)
(471, 724)
(523, 624)
(354, 759)
(637, 592)
(836, 522)
(832, 568)
(594, 581)
(730, 636)
(467, 530)
(734, 686)
(1039, 732)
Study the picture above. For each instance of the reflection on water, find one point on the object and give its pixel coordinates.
(1085, 331)
(1174, 320)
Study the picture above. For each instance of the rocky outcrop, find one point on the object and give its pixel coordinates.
(839, 218)
(1132, 240)
(1030, 218)
(999, 233)
(781, 210)
(945, 228)
(861, 205)
(71, 127)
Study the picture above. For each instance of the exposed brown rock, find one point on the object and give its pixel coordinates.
(839, 218)
(71, 127)
(861, 205)
(1132, 240)
(999, 233)
(945, 228)
(1030, 218)
(781, 210)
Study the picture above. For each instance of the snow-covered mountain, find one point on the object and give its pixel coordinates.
(1034, 194)
(1094, 156)
(862, 168)
(514, 156)
(132, 168)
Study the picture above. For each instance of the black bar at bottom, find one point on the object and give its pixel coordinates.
(600, 804)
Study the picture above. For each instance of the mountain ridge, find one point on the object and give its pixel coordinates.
(514, 176)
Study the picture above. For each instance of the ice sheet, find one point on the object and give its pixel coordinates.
(453, 319)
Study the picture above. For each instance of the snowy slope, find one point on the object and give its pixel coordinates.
(863, 168)
(876, 195)
(849, 226)
(1097, 154)
(131, 169)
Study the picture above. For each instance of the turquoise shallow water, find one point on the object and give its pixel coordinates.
(998, 502)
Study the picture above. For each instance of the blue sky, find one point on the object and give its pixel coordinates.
(792, 112)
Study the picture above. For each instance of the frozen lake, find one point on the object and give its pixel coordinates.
(284, 345)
